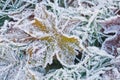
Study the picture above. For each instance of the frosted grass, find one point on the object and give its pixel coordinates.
(23, 56)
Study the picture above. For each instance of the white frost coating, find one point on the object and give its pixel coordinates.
(21, 15)
(102, 53)
(28, 46)
(40, 54)
(111, 25)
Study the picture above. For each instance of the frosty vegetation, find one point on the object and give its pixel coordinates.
(59, 40)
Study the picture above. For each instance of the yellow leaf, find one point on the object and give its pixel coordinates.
(65, 43)
(47, 38)
(41, 26)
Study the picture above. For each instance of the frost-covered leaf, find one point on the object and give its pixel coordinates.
(67, 25)
(64, 44)
(111, 44)
(111, 25)
(67, 48)
(16, 35)
(43, 37)
(56, 42)
(41, 53)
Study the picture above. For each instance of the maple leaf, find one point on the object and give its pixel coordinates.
(57, 42)
(43, 37)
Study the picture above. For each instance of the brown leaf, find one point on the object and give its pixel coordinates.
(111, 25)
(111, 44)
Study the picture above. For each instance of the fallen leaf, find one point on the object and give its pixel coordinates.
(111, 25)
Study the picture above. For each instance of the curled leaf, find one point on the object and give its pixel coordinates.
(111, 44)
(111, 25)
